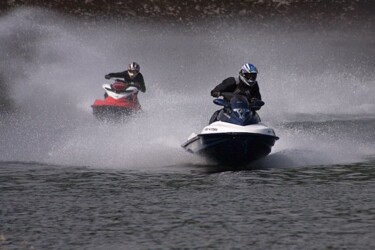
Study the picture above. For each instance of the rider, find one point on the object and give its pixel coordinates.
(245, 84)
(131, 75)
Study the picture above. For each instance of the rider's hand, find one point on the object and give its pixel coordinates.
(107, 77)
(256, 104)
(215, 93)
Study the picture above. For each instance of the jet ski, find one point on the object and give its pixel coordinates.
(120, 99)
(237, 136)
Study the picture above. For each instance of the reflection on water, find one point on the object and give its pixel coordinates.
(358, 172)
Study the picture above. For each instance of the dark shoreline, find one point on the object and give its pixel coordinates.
(182, 11)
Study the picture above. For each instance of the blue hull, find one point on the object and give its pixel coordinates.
(231, 148)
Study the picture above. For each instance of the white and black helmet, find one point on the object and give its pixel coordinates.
(133, 69)
(248, 74)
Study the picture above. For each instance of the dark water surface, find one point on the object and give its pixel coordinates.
(187, 207)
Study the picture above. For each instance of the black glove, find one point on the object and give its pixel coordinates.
(107, 76)
(256, 104)
(215, 93)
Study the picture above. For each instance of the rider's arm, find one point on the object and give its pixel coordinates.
(228, 85)
(118, 74)
(139, 81)
(255, 92)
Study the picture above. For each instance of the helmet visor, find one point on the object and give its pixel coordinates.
(250, 76)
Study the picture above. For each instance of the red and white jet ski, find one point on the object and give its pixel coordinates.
(120, 99)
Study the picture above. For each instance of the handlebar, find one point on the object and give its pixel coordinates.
(255, 104)
(227, 95)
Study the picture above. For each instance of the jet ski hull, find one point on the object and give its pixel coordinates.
(235, 136)
(111, 109)
(231, 148)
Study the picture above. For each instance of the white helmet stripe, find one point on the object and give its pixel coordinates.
(248, 67)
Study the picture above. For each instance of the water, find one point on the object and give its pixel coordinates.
(60, 207)
(71, 182)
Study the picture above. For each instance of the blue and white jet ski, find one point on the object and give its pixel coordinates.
(237, 136)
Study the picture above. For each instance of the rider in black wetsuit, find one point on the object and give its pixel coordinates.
(131, 75)
(245, 84)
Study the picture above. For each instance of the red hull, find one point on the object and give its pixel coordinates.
(110, 108)
(124, 103)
